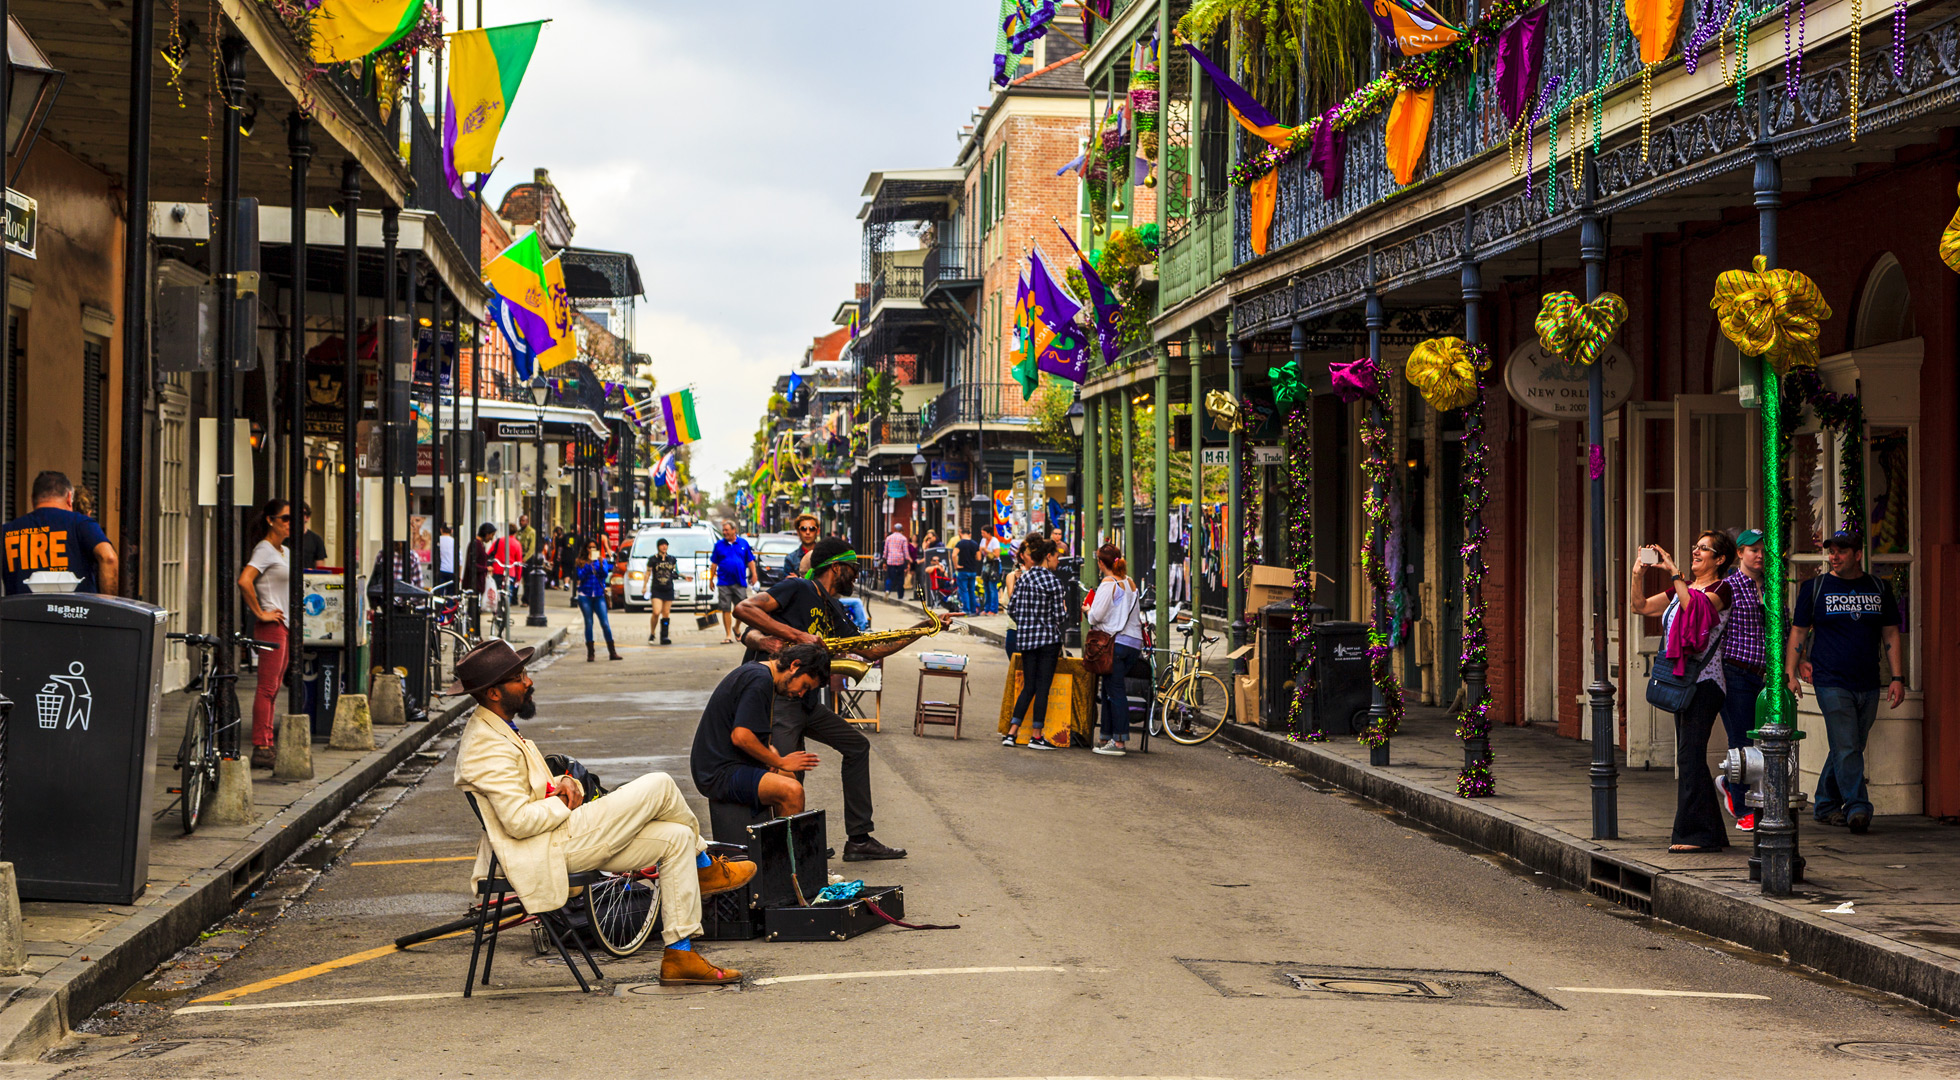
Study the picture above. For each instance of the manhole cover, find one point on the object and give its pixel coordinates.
(655, 990)
(1283, 979)
(1904, 1053)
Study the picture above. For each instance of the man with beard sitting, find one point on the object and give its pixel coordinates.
(804, 610)
(541, 828)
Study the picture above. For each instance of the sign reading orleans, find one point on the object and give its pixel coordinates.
(1547, 385)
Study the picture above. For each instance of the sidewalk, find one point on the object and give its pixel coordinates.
(1901, 881)
(82, 955)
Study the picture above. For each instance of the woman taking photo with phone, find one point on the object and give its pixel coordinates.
(594, 577)
(263, 584)
(1694, 611)
(1115, 613)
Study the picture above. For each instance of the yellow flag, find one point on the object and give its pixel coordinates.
(350, 29)
(559, 304)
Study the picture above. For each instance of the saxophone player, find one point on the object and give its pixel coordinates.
(805, 610)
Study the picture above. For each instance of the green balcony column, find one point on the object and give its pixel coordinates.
(1193, 551)
(1091, 490)
(1126, 416)
(1234, 553)
(1160, 498)
(1109, 462)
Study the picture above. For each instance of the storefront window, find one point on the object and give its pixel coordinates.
(1889, 491)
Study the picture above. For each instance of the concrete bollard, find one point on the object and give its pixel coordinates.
(13, 944)
(292, 756)
(231, 804)
(352, 730)
(385, 702)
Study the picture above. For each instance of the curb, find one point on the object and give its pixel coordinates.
(40, 1015)
(1713, 908)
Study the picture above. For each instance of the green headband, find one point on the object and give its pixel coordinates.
(847, 557)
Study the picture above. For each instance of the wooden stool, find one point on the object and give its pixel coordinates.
(939, 712)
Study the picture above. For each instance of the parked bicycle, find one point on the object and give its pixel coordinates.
(1180, 710)
(212, 724)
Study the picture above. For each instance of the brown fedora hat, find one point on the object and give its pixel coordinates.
(488, 665)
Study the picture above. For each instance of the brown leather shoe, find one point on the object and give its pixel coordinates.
(262, 757)
(685, 967)
(721, 876)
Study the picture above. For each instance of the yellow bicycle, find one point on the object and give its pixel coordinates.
(1192, 703)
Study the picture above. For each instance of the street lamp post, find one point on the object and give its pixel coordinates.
(534, 566)
(1605, 774)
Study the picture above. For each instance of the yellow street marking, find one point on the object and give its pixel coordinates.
(319, 1002)
(405, 862)
(895, 974)
(1660, 993)
(331, 965)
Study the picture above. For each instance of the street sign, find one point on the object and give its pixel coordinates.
(23, 223)
(1261, 455)
(1268, 455)
(1038, 471)
(1215, 455)
(932, 492)
(509, 430)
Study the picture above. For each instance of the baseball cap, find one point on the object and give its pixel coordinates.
(1748, 538)
(1841, 539)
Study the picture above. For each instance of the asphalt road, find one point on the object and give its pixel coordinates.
(1189, 912)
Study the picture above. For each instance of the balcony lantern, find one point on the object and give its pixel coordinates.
(540, 390)
(1075, 417)
(918, 466)
(32, 83)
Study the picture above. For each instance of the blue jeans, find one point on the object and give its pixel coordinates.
(595, 605)
(1848, 719)
(1115, 699)
(969, 598)
(990, 598)
(1739, 715)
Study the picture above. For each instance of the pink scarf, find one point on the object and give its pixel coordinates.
(1693, 624)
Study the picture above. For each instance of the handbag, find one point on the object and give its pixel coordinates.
(1670, 692)
(1099, 646)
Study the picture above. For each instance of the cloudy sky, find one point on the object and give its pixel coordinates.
(725, 145)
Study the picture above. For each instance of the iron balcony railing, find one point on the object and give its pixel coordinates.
(896, 429)
(975, 403)
(1199, 256)
(952, 262)
(898, 283)
(459, 217)
(1579, 37)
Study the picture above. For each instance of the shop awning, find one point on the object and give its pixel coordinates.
(509, 421)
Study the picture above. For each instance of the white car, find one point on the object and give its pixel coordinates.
(694, 588)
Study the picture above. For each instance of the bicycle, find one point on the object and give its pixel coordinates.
(213, 716)
(1178, 711)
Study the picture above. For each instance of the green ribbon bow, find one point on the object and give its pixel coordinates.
(1579, 332)
(1288, 389)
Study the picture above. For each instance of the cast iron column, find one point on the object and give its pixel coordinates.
(136, 296)
(350, 420)
(391, 231)
(1091, 489)
(1775, 734)
(533, 565)
(1378, 610)
(1605, 772)
(225, 260)
(1194, 352)
(1232, 559)
(1126, 416)
(299, 148)
(1475, 751)
(1160, 496)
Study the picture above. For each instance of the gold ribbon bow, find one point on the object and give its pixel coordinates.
(1950, 242)
(1444, 371)
(1224, 411)
(1774, 314)
(1578, 332)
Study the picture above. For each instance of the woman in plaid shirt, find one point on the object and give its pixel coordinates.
(1039, 608)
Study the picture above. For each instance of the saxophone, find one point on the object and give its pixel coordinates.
(855, 669)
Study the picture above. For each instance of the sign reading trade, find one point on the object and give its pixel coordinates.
(1547, 385)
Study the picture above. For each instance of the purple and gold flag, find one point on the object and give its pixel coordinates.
(1059, 347)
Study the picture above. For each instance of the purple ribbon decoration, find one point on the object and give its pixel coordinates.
(1520, 53)
(1329, 155)
(1596, 461)
(1357, 380)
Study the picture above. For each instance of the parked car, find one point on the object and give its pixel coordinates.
(771, 549)
(694, 588)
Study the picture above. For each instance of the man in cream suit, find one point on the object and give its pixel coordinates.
(540, 827)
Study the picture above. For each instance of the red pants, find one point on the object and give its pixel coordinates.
(272, 679)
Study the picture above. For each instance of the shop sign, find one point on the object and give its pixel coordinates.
(932, 492)
(948, 472)
(23, 223)
(895, 489)
(517, 430)
(1548, 386)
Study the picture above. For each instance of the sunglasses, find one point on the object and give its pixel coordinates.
(283, 517)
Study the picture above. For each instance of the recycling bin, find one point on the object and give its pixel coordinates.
(1343, 686)
(84, 671)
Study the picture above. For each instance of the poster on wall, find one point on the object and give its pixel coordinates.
(421, 538)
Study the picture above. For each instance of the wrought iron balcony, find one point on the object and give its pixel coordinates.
(948, 264)
(1200, 255)
(458, 216)
(895, 429)
(898, 283)
(975, 403)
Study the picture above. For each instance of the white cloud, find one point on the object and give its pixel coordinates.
(724, 146)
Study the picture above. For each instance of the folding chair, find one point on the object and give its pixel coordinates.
(850, 697)
(488, 923)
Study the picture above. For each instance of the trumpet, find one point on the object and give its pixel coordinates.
(840, 645)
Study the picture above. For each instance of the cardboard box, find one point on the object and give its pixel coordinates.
(1267, 585)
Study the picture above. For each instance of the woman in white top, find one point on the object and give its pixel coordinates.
(990, 572)
(1116, 610)
(264, 583)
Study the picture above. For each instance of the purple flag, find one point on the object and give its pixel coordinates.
(1107, 307)
(449, 173)
(1520, 53)
(1061, 350)
(1329, 155)
(1236, 97)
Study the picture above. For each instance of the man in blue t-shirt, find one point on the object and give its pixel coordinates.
(735, 570)
(1847, 614)
(53, 537)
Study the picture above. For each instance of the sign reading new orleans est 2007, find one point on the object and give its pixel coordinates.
(1544, 384)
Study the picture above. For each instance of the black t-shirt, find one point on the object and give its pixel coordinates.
(312, 550)
(802, 605)
(661, 570)
(1846, 620)
(969, 554)
(745, 698)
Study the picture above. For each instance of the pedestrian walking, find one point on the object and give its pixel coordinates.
(1039, 608)
(446, 556)
(1743, 660)
(508, 554)
(966, 570)
(662, 570)
(1845, 615)
(312, 549)
(991, 570)
(592, 578)
(265, 583)
(898, 560)
(915, 562)
(55, 538)
(735, 570)
(1116, 612)
(1694, 612)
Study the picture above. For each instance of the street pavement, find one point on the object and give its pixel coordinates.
(1190, 912)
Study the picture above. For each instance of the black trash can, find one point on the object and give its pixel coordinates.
(84, 673)
(408, 649)
(320, 682)
(1343, 688)
(1279, 658)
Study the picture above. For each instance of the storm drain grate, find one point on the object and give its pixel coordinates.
(1248, 978)
(1624, 885)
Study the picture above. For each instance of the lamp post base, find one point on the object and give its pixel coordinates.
(534, 592)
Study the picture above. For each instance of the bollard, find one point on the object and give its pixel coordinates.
(385, 703)
(352, 730)
(13, 947)
(292, 756)
(231, 804)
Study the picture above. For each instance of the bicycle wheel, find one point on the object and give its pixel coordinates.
(193, 763)
(1187, 721)
(502, 621)
(622, 911)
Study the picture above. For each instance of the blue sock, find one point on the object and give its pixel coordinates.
(702, 861)
(684, 945)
